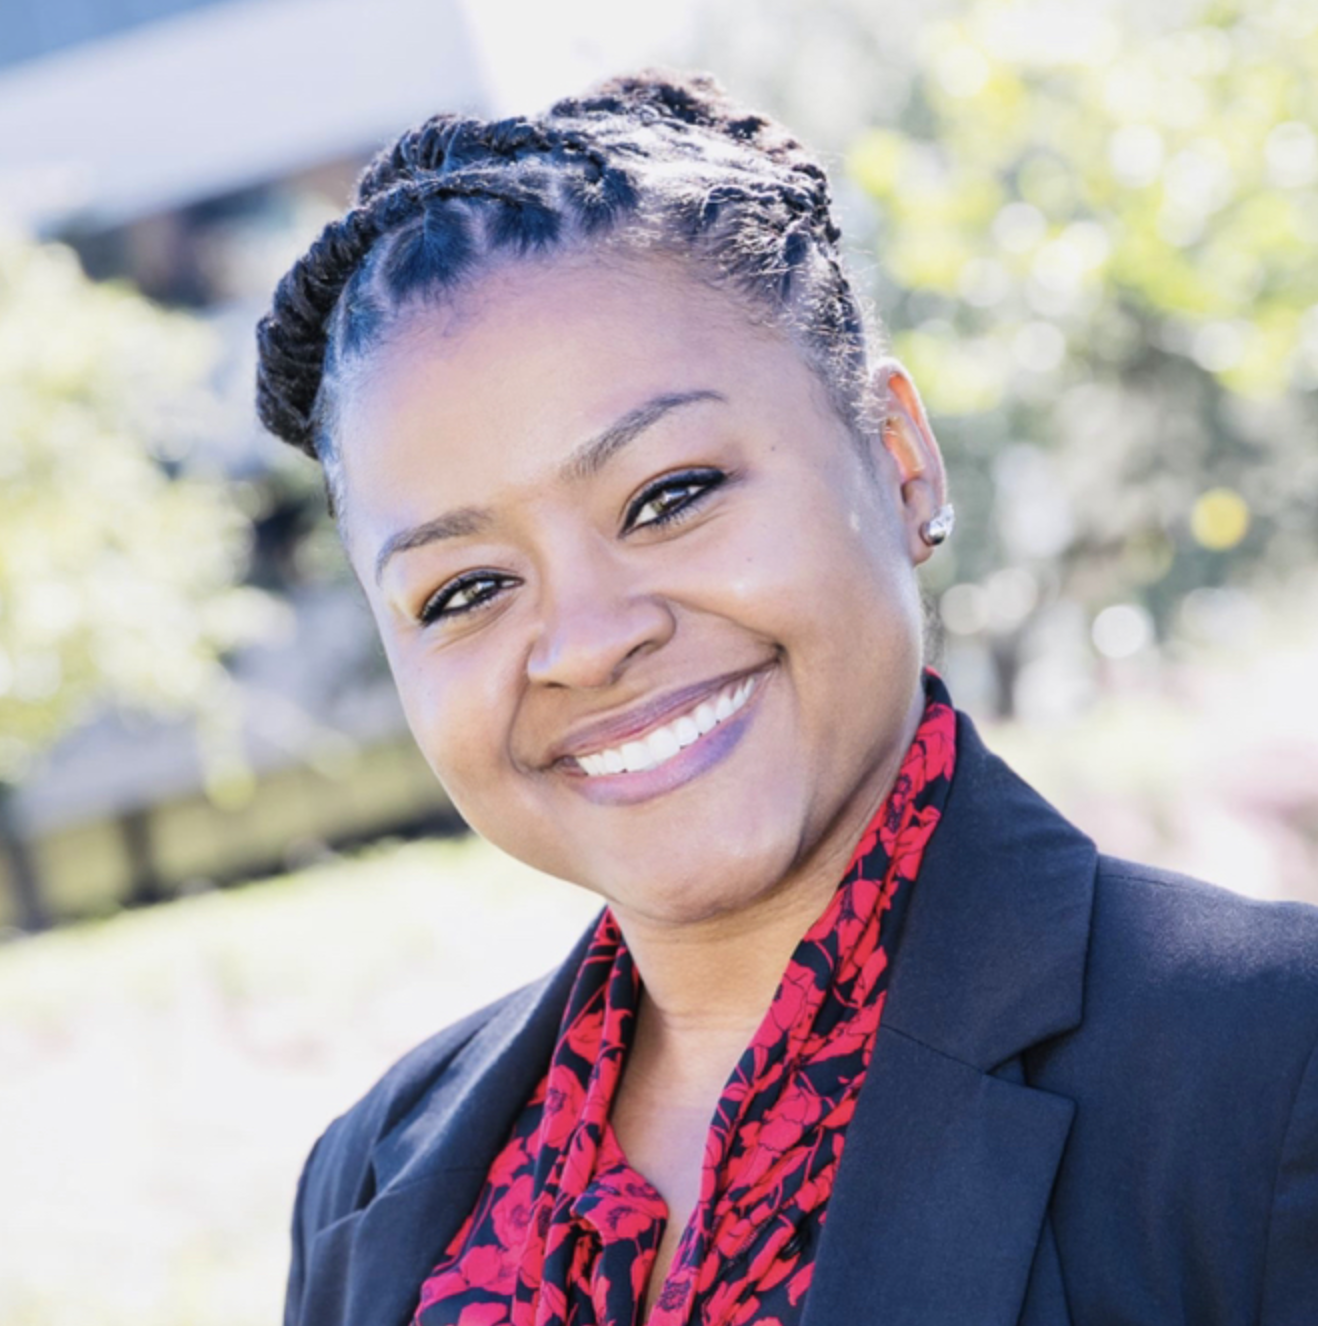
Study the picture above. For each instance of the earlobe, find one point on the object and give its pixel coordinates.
(909, 440)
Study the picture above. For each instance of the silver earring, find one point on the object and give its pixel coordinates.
(936, 529)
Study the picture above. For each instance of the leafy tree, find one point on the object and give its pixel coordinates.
(1097, 231)
(119, 559)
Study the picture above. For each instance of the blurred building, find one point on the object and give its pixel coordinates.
(191, 147)
(121, 110)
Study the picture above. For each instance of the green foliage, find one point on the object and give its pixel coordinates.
(1098, 229)
(118, 563)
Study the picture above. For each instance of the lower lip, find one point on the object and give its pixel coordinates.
(625, 789)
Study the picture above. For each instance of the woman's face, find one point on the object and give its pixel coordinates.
(650, 609)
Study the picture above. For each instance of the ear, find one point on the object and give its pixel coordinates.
(908, 440)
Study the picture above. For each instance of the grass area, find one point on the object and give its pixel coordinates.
(164, 1072)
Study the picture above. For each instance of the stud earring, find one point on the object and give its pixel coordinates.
(936, 529)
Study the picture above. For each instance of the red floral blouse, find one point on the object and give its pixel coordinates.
(565, 1231)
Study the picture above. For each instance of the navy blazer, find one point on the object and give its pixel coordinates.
(1093, 1099)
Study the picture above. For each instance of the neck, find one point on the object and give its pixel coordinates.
(721, 972)
(707, 984)
(705, 990)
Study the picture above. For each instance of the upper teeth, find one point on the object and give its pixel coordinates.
(664, 742)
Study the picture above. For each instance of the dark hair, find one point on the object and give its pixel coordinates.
(649, 163)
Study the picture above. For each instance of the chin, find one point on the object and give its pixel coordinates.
(683, 904)
(674, 891)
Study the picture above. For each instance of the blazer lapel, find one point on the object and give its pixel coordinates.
(942, 1196)
(367, 1268)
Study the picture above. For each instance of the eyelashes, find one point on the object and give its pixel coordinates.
(467, 593)
(674, 497)
(665, 502)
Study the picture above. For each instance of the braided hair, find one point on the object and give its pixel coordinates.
(649, 163)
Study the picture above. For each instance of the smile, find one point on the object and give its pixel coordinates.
(663, 743)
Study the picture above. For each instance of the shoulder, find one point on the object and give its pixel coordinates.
(1200, 1013)
(1195, 1074)
(444, 1106)
(442, 1102)
(1188, 945)
(338, 1175)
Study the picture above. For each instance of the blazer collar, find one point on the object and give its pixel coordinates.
(468, 1115)
(993, 957)
(939, 1212)
(940, 1202)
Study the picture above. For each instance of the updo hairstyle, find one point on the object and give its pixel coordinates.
(645, 164)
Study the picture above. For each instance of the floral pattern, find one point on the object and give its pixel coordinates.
(565, 1232)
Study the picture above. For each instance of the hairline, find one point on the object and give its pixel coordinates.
(637, 247)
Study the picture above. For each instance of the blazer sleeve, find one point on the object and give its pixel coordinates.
(1290, 1282)
(301, 1238)
(296, 1265)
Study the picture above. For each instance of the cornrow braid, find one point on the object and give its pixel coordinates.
(645, 163)
(445, 143)
(293, 338)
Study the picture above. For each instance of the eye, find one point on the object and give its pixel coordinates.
(671, 498)
(465, 594)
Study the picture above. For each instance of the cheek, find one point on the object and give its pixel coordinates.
(813, 557)
(453, 706)
(836, 591)
(462, 711)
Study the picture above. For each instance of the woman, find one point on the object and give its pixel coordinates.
(638, 514)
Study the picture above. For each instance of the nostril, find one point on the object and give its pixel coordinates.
(592, 647)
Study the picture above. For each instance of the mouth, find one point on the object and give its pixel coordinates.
(673, 748)
(662, 743)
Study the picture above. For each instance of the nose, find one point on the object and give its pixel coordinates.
(593, 625)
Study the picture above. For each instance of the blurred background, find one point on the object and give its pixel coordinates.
(230, 892)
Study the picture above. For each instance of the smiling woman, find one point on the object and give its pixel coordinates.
(638, 513)
(628, 546)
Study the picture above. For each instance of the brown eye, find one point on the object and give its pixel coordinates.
(463, 595)
(670, 498)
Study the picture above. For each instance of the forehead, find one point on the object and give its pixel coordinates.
(569, 319)
(490, 389)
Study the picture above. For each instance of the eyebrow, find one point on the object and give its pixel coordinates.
(584, 462)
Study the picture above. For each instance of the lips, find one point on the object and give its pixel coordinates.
(663, 742)
(651, 733)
